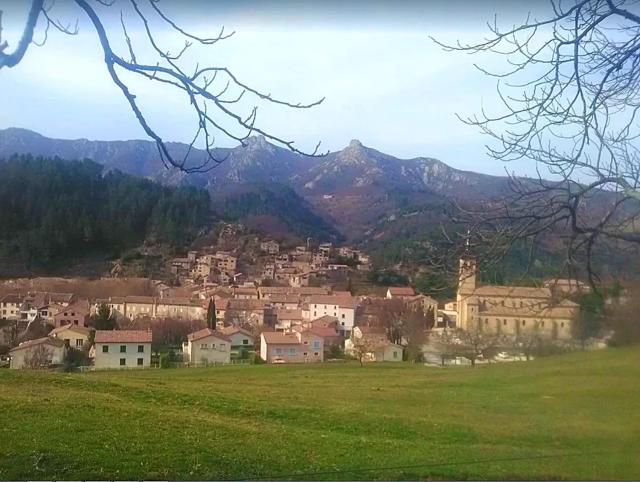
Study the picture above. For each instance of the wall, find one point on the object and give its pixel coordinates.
(112, 359)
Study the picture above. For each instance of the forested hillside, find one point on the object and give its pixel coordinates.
(52, 209)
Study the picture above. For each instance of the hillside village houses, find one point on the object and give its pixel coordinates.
(286, 323)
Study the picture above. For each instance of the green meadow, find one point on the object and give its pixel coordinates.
(574, 416)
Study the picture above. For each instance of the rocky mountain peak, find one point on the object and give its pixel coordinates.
(355, 144)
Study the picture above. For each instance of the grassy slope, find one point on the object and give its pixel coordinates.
(278, 421)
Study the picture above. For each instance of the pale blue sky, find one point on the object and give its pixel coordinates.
(385, 82)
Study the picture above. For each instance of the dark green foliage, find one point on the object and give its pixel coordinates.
(387, 277)
(52, 209)
(75, 358)
(282, 203)
(103, 320)
(211, 315)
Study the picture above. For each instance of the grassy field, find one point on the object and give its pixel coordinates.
(570, 417)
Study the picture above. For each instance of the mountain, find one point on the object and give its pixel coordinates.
(354, 190)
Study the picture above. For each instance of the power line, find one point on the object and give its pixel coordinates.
(306, 475)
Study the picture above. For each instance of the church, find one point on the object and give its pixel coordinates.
(511, 310)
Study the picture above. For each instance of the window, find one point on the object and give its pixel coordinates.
(204, 346)
(140, 348)
(123, 348)
(123, 362)
(524, 322)
(305, 353)
(140, 361)
(504, 322)
(342, 323)
(315, 353)
(278, 351)
(245, 342)
(105, 348)
(79, 342)
(292, 351)
(542, 324)
(395, 354)
(561, 325)
(316, 344)
(343, 316)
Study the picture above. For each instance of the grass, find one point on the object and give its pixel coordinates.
(570, 417)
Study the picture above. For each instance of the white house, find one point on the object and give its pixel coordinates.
(375, 343)
(341, 307)
(51, 348)
(122, 349)
(207, 346)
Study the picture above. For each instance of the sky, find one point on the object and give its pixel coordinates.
(385, 82)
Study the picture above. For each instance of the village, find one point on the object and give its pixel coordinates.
(285, 306)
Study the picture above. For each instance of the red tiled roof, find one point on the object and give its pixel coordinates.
(71, 327)
(123, 336)
(48, 340)
(277, 338)
(402, 290)
(205, 332)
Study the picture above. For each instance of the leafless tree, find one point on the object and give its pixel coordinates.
(215, 94)
(569, 96)
(364, 346)
(38, 357)
(471, 345)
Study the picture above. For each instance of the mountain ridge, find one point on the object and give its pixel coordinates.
(353, 188)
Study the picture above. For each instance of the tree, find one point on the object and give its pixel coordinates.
(363, 347)
(38, 357)
(211, 314)
(103, 319)
(569, 95)
(215, 95)
(469, 344)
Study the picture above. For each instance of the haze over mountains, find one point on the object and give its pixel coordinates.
(354, 189)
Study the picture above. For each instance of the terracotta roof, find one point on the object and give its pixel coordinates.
(513, 291)
(324, 331)
(232, 330)
(371, 330)
(324, 321)
(78, 329)
(401, 290)
(278, 338)
(179, 301)
(205, 332)
(246, 305)
(289, 314)
(284, 298)
(246, 290)
(123, 336)
(48, 340)
(341, 301)
(12, 298)
(140, 299)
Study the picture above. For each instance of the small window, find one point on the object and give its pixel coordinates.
(278, 351)
(395, 354)
(305, 353)
(561, 325)
(140, 348)
(245, 342)
(316, 344)
(123, 362)
(140, 362)
(504, 322)
(292, 351)
(343, 316)
(123, 348)
(79, 342)
(105, 348)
